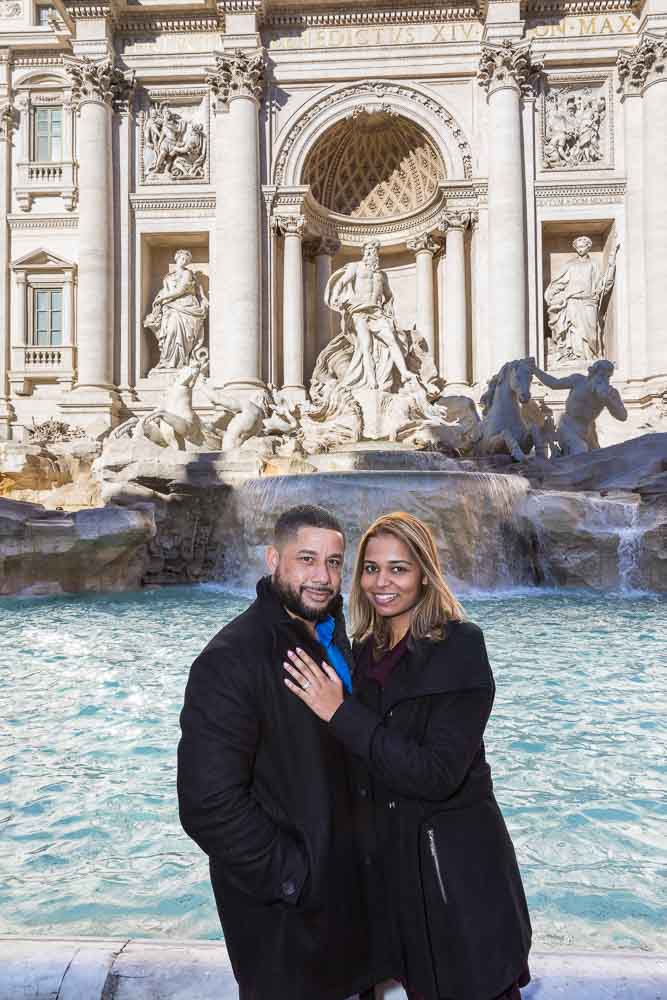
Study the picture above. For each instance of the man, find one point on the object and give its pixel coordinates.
(361, 292)
(589, 395)
(263, 786)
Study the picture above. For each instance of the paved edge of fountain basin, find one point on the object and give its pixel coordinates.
(138, 969)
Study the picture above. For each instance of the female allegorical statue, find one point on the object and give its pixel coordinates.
(178, 316)
(576, 304)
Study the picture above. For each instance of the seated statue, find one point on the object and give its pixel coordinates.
(589, 395)
(360, 292)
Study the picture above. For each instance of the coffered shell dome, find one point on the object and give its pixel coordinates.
(373, 165)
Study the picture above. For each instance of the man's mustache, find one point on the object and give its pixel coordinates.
(318, 590)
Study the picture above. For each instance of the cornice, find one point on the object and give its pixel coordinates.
(146, 23)
(172, 203)
(49, 222)
(241, 6)
(564, 8)
(580, 193)
(37, 57)
(82, 9)
(298, 18)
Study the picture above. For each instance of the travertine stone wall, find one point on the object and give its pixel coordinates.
(473, 142)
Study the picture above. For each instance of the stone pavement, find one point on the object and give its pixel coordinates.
(97, 969)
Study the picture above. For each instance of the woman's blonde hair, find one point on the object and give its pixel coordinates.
(436, 606)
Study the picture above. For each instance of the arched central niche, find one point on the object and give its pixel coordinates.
(374, 164)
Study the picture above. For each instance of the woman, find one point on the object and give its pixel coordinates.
(178, 316)
(448, 907)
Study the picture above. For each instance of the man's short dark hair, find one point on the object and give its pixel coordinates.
(305, 515)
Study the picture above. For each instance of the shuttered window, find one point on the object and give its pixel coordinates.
(48, 138)
(47, 327)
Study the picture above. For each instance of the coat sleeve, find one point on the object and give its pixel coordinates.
(220, 728)
(434, 768)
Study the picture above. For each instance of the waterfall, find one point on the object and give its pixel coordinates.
(629, 551)
(472, 515)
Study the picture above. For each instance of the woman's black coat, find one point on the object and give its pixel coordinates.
(264, 790)
(444, 876)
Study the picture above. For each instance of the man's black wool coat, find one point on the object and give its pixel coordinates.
(263, 790)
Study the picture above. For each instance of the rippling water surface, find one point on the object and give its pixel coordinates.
(91, 689)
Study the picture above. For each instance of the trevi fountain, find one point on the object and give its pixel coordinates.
(515, 494)
(377, 256)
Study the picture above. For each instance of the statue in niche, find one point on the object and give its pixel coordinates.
(577, 301)
(178, 317)
(377, 350)
(573, 129)
(177, 147)
(589, 395)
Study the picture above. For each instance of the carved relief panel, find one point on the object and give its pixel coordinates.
(174, 136)
(577, 123)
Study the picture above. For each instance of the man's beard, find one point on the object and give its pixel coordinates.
(291, 599)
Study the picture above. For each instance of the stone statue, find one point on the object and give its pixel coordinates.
(177, 147)
(360, 292)
(589, 395)
(577, 301)
(174, 423)
(573, 129)
(178, 316)
(505, 427)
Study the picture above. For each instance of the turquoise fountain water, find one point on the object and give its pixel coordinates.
(91, 690)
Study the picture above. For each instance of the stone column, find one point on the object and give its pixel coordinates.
(238, 84)
(644, 69)
(95, 87)
(454, 365)
(425, 248)
(68, 309)
(506, 71)
(19, 311)
(294, 331)
(324, 317)
(6, 130)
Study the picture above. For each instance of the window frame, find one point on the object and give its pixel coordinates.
(46, 109)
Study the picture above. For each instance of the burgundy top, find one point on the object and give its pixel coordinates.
(380, 670)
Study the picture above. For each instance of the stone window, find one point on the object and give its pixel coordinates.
(45, 164)
(47, 136)
(44, 11)
(47, 317)
(43, 323)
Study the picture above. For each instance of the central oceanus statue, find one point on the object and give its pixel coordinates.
(371, 351)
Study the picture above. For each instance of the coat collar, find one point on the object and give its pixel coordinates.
(423, 671)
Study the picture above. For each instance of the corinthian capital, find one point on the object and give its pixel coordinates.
(643, 65)
(284, 225)
(455, 219)
(507, 63)
(423, 242)
(99, 81)
(240, 74)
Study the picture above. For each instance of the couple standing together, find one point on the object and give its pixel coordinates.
(342, 794)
